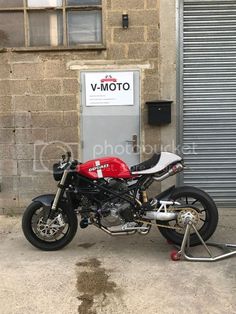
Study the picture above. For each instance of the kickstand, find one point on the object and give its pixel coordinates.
(227, 249)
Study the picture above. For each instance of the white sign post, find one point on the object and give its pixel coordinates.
(109, 88)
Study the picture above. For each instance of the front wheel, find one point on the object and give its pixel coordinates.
(199, 205)
(46, 230)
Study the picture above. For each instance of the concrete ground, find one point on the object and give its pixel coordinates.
(100, 274)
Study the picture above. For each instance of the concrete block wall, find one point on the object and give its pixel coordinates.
(39, 99)
(37, 105)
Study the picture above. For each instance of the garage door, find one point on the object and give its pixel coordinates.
(208, 96)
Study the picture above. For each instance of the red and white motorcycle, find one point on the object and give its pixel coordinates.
(107, 194)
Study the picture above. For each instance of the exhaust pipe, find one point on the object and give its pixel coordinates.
(155, 215)
(114, 233)
(174, 169)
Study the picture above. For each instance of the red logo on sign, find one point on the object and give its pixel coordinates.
(109, 78)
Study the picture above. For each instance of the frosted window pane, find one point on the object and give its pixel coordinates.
(84, 27)
(44, 3)
(82, 2)
(46, 28)
(12, 29)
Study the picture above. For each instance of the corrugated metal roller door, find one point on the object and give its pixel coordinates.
(209, 96)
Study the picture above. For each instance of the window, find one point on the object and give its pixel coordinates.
(50, 23)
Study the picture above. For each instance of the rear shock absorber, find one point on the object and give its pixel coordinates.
(144, 197)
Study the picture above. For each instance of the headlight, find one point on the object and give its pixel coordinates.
(57, 172)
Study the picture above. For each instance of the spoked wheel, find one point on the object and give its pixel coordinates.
(49, 231)
(197, 206)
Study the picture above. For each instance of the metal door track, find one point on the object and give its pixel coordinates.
(227, 249)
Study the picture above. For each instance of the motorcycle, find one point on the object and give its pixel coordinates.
(105, 193)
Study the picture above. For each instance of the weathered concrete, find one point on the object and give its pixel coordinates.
(139, 276)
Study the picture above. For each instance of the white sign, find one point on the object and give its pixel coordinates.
(109, 88)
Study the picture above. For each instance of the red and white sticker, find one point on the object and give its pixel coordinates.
(98, 168)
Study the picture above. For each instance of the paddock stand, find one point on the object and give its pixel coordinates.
(227, 249)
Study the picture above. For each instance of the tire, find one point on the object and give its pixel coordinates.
(203, 204)
(31, 224)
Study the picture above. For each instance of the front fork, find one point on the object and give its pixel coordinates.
(60, 190)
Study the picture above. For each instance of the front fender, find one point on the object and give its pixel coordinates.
(45, 200)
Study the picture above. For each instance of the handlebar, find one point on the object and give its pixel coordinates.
(67, 157)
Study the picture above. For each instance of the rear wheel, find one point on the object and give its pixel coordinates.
(200, 207)
(49, 233)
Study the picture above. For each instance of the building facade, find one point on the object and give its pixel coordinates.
(40, 81)
(50, 50)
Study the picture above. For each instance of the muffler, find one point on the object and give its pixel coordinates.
(155, 215)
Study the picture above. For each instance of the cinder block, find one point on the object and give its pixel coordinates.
(29, 103)
(57, 69)
(8, 168)
(153, 34)
(5, 71)
(39, 135)
(71, 118)
(151, 84)
(6, 120)
(45, 183)
(4, 58)
(127, 4)
(45, 87)
(9, 183)
(6, 103)
(26, 184)
(24, 151)
(44, 152)
(47, 119)
(5, 87)
(24, 58)
(108, 4)
(7, 151)
(130, 35)
(114, 18)
(70, 86)
(7, 135)
(25, 199)
(29, 136)
(144, 18)
(23, 136)
(23, 120)
(25, 168)
(143, 51)
(152, 4)
(117, 52)
(59, 103)
(8, 202)
(65, 134)
(44, 166)
(19, 87)
(27, 71)
(154, 70)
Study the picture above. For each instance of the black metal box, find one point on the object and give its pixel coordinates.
(159, 112)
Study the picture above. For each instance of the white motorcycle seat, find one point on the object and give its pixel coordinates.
(157, 163)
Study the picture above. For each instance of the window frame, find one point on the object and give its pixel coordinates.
(64, 8)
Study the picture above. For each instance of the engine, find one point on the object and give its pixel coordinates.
(118, 211)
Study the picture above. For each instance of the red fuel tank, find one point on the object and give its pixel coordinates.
(106, 167)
